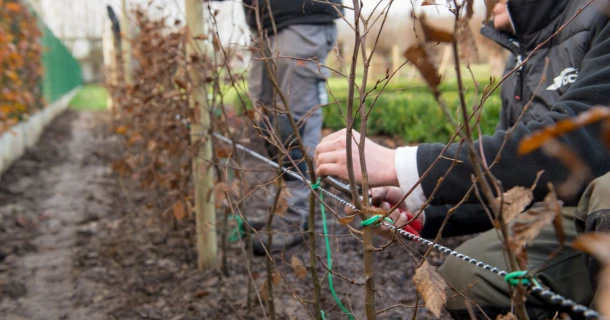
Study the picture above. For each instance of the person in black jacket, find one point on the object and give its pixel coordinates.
(577, 78)
(294, 34)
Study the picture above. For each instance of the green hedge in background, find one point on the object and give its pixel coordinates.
(412, 113)
(407, 110)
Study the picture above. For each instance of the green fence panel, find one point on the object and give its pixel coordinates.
(62, 72)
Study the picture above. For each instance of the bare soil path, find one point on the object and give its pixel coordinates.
(77, 242)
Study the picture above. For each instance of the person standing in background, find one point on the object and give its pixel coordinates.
(295, 33)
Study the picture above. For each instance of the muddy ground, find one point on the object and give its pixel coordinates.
(78, 242)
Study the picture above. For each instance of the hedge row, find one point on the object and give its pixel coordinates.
(406, 110)
(20, 63)
(411, 113)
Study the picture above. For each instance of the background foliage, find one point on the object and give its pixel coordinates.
(20, 63)
(408, 110)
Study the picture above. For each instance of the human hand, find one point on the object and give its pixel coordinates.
(502, 17)
(384, 198)
(331, 160)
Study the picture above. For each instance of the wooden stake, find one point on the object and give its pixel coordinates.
(125, 30)
(202, 171)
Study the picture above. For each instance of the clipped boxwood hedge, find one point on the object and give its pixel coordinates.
(406, 109)
(411, 113)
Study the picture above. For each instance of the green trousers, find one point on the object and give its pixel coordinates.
(565, 274)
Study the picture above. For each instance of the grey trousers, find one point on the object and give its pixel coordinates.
(303, 84)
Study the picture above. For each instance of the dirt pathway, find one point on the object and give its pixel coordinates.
(52, 195)
(77, 242)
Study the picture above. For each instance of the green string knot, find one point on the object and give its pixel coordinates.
(520, 277)
(374, 220)
(239, 231)
(316, 185)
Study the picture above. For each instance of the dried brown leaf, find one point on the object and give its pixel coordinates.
(254, 115)
(514, 201)
(179, 212)
(508, 316)
(346, 220)
(276, 277)
(201, 37)
(469, 9)
(431, 286)
(579, 170)
(527, 226)
(264, 292)
(299, 268)
(223, 152)
(180, 83)
(216, 43)
(536, 140)
(220, 193)
(559, 232)
(597, 244)
(433, 34)
(121, 130)
(134, 139)
(282, 204)
(522, 259)
(606, 133)
(418, 56)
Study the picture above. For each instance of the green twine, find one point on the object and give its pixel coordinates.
(519, 277)
(316, 186)
(374, 220)
(237, 232)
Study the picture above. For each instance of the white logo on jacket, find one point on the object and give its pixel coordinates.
(567, 76)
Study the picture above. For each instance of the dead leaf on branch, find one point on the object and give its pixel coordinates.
(418, 56)
(201, 37)
(431, 286)
(216, 43)
(282, 204)
(469, 9)
(121, 130)
(299, 268)
(597, 244)
(220, 193)
(433, 34)
(179, 212)
(508, 316)
(264, 292)
(528, 225)
(579, 171)
(537, 139)
(276, 277)
(346, 220)
(514, 202)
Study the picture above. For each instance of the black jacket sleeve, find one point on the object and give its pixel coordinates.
(592, 88)
(466, 219)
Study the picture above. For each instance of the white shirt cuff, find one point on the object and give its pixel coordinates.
(406, 171)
